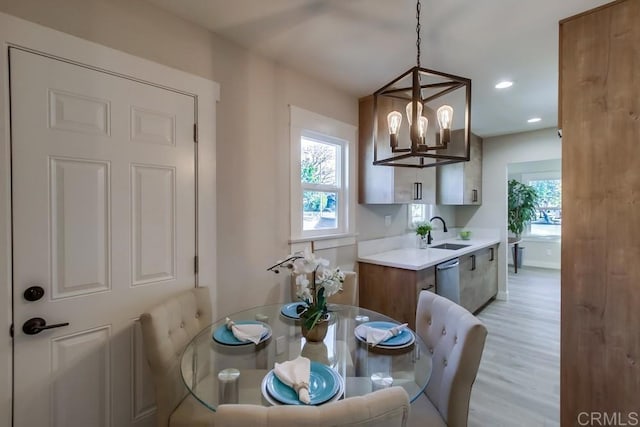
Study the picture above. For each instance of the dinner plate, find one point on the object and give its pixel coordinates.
(290, 310)
(324, 385)
(403, 339)
(223, 335)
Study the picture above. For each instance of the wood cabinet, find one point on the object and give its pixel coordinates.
(385, 184)
(600, 292)
(394, 291)
(478, 278)
(461, 183)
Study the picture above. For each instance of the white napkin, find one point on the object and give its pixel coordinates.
(375, 336)
(248, 332)
(296, 373)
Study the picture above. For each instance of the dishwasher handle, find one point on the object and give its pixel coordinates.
(448, 265)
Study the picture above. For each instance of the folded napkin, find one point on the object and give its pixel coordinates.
(376, 336)
(247, 332)
(296, 373)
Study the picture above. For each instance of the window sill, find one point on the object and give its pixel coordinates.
(549, 239)
(326, 242)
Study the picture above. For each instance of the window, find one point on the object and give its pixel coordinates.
(548, 220)
(417, 214)
(322, 181)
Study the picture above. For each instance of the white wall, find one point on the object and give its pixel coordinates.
(498, 153)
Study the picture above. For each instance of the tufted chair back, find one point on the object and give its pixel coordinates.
(347, 296)
(384, 408)
(455, 338)
(166, 330)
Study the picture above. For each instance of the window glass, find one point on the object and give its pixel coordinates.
(318, 162)
(319, 210)
(548, 220)
(417, 214)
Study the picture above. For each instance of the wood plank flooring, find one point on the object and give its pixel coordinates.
(518, 383)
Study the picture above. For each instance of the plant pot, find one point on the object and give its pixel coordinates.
(422, 242)
(317, 333)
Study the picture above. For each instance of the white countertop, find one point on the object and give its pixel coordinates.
(418, 259)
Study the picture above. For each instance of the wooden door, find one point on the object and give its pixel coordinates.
(600, 105)
(103, 179)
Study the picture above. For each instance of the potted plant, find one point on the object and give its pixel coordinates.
(315, 282)
(422, 230)
(523, 205)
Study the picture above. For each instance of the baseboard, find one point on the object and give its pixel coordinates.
(503, 296)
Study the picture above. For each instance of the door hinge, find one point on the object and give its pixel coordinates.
(11, 330)
(195, 264)
(195, 133)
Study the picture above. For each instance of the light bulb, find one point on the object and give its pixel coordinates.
(445, 117)
(445, 120)
(394, 119)
(410, 111)
(423, 124)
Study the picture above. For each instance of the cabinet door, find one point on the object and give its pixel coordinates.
(473, 173)
(427, 179)
(390, 291)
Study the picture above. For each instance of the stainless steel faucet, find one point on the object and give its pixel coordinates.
(444, 225)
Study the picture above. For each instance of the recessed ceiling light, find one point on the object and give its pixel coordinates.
(504, 84)
(534, 120)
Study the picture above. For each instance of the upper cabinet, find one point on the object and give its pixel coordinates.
(461, 183)
(388, 184)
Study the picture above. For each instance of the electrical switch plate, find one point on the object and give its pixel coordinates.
(387, 220)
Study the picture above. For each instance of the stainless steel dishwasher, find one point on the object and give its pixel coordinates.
(448, 280)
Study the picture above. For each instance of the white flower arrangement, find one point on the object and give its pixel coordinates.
(325, 282)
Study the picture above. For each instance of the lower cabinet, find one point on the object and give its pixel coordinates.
(478, 278)
(393, 291)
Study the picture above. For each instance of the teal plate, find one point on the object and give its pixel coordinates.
(402, 338)
(290, 310)
(223, 335)
(324, 383)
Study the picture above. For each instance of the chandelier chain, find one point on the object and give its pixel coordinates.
(418, 40)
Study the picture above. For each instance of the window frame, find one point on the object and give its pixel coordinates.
(322, 129)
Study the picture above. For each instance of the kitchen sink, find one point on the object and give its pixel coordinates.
(450, 246)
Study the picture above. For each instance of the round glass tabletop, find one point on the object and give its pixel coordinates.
(211, 356)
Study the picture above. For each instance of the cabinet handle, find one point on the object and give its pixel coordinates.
(492, 254)
(417, 191)
(473, 262)
(474, 197)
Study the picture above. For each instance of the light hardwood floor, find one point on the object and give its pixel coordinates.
(518, 383)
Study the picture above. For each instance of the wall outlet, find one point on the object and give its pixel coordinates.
(387, 220)
(548, 252)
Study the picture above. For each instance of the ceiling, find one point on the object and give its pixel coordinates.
(360, 45)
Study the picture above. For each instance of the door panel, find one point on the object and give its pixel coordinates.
(103, 186)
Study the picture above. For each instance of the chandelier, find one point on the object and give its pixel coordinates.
(426, 97)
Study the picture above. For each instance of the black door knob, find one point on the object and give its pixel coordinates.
(36, 325)
(33, 293)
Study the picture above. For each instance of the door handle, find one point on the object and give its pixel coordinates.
(36, 325)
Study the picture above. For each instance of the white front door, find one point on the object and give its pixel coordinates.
(103, 187)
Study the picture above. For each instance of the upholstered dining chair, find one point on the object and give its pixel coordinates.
(384, 408)
(455, 338)
(166, 331)
(348, 295)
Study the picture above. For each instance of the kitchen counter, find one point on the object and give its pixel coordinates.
(419, 259)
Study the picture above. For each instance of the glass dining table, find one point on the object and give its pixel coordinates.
(216, 372)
